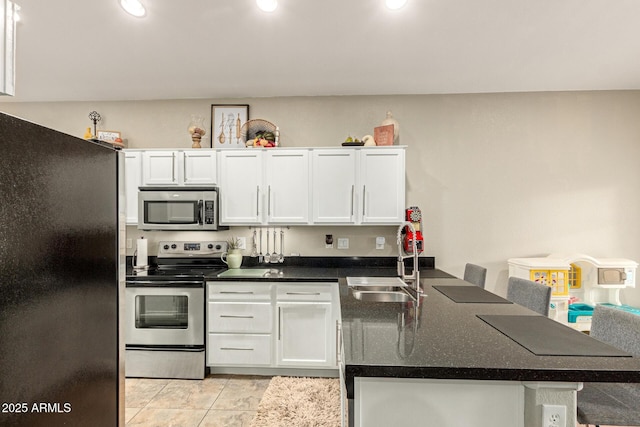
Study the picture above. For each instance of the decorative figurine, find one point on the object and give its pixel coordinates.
(95, 118)
(196, 129)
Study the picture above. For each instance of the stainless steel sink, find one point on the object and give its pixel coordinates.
(379, 289)
(382, 296)
(370, 282)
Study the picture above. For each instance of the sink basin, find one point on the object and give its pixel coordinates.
(378, 288)
(371, 282)
(382, 296)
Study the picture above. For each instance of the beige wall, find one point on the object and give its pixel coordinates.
(496, 175)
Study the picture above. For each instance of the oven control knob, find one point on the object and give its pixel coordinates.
(173, 246)
(166, 247)
(218, 247)
(210, 246)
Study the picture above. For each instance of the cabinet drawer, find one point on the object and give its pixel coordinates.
(239, 349)
(304, 292)
(246, 291)
(239, 317)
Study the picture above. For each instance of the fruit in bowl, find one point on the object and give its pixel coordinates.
(264, 139)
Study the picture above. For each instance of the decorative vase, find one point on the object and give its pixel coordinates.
(233, 258)
(196, 130)
(389, 120)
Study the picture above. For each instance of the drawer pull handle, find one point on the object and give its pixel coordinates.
(303, 293)
(236, 292)
(236, 348)
(236, 317)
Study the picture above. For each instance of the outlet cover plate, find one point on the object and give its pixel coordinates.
(343, 243)
(554, 416)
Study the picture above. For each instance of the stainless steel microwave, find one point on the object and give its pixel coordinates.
(164, 208)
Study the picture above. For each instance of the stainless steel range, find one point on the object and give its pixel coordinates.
(165, 306)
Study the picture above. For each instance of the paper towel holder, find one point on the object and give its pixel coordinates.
(138, 268)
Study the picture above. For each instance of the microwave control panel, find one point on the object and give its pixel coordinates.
(209, 212)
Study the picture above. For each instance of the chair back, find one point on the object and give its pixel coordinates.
(619, 328)
(475, 274)
(530, 294)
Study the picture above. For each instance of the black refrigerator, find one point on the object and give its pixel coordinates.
(61, 279)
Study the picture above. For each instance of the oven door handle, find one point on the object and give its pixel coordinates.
(165, 284)
(164, 348)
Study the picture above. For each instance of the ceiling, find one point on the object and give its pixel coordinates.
(74, 50)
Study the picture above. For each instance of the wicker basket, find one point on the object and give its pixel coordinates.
(251, 127)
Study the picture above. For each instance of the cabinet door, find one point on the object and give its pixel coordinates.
(132, 180)
(305, 334)
(199, 167)
(287, 179)
(241, 187)
(333, 182)
(382, 186)
(160, 168)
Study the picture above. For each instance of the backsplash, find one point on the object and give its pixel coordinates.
(301, 241)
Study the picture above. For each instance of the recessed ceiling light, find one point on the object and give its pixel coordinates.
(395, 4)
(267, 5)
(133, 7)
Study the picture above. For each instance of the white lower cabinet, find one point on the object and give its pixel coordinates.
(239, 349)
(239, 324)
(306, 330)
(272, 325)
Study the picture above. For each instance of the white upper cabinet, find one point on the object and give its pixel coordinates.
(334, 184)
(382, 186)
(285, 186)
(358, 186)
(287, 179)
(174, 167)
(199, 167)
(264, 186)
(132, 180)
(241, 187)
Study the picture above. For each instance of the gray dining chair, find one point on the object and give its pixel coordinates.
(530, 294)
(612, 404)
(475, 274)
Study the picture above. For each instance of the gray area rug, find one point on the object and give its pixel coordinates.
(304, 402)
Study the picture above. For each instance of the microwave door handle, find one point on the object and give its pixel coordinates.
(200, 213)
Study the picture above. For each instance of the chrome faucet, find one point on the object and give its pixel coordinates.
(414, 277)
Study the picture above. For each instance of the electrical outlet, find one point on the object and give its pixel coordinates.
(343, 243)
(380, 240)
(554, 416)
(242, 243)
(328, 241)
(129, 243)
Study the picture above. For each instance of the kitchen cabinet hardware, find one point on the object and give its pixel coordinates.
(303, 293)
(236, 348)
(364, 200)
(236, 316)
(353, 196)
(338, 341)
(236, 292)
(173, 167)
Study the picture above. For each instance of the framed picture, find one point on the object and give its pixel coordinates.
(107, 135)
(226, 122)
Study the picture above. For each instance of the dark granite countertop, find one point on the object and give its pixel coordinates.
(318, 274)
(439, 338)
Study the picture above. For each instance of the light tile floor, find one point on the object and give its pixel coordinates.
(216, 401)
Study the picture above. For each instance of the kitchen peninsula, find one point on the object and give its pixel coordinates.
(439, 362)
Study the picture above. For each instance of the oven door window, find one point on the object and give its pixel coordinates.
(171, 212)
(162, 312)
